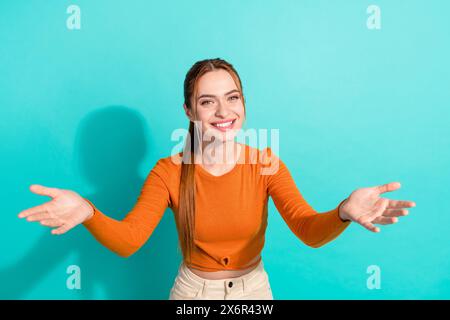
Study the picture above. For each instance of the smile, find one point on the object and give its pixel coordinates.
(224, 125)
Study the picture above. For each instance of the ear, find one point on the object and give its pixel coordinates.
(187, 111)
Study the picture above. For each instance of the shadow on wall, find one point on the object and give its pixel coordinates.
(110, 146)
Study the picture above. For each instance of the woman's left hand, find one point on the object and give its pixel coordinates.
(366, 207)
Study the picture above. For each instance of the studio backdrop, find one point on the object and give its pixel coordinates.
(91, 93)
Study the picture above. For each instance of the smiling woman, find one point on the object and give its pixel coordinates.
(220, 208)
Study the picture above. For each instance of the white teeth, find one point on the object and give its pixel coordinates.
(222, 125)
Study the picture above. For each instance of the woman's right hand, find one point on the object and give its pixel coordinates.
(66, 210)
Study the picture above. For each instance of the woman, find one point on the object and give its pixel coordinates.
(227, 185)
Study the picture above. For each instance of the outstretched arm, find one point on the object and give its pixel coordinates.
(126, 236)
(67, 209)
(364, 206)
(313, 228)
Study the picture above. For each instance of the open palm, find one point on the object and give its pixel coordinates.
(366, 206)
(66, 210)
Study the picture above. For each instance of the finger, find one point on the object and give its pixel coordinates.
(388, 187)
(369, 226)
(385, 220)
(51, 223)
(38, 209)
(45, 191)
(395, 213)
(62, 229)
(39, 216)
(401, 204)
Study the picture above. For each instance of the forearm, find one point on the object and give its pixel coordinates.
(122, 237)
(316, 229)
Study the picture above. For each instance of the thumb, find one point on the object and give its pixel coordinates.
(388, 187)
(44, 191)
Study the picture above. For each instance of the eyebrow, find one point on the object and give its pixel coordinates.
(213, 96)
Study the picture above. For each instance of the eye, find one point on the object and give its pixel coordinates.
(205, 102)
(233, 98)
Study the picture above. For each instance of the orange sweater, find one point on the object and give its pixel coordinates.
(231, 211)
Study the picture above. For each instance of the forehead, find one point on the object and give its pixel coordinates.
(216, 82)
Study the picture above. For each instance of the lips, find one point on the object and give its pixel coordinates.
(224, 124)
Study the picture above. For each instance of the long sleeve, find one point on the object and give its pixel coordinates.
(126, 236)
(313, 228)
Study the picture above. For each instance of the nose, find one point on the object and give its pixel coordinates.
(222, 110)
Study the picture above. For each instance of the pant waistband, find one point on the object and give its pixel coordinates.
(219, 283)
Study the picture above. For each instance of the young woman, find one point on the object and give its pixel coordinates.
(218, 190)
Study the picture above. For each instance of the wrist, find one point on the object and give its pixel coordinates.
(341, 212)
(90, 211)
(90, 215)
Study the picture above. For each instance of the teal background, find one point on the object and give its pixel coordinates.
(91, 110)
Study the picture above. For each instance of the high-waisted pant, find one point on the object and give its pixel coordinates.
(251, 286)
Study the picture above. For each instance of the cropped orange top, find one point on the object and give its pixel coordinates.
(231, 211)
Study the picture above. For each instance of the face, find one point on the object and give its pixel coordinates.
(219, 106)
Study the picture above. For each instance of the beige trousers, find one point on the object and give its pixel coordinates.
(251, 286)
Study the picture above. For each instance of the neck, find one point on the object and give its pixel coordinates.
(220, 152)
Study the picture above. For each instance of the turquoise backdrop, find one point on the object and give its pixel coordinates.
(92, 109)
